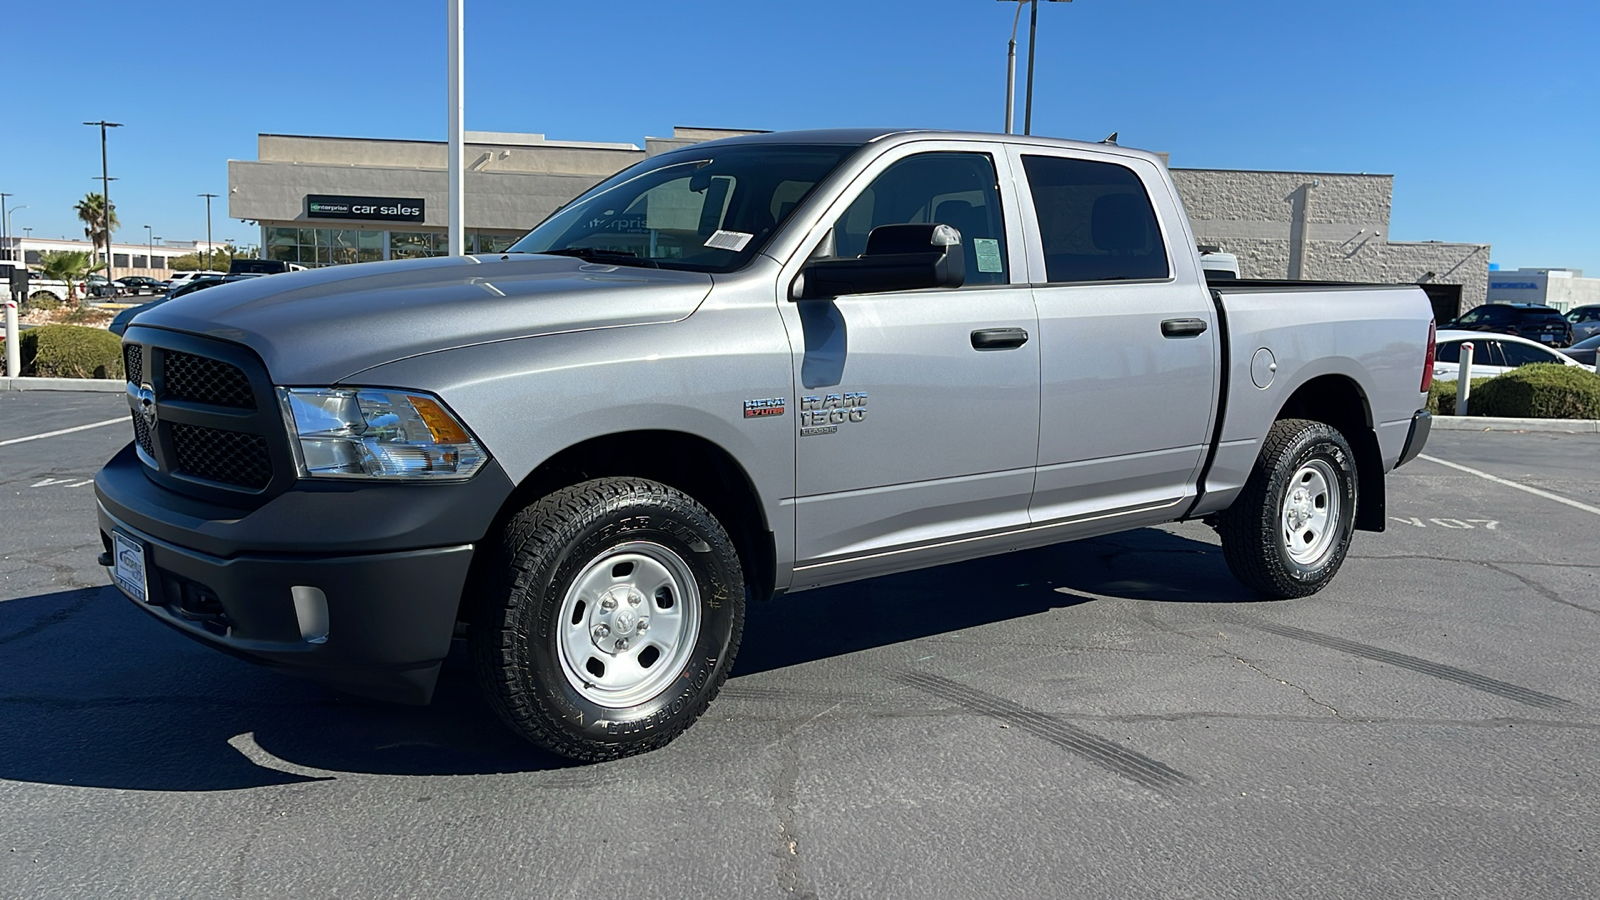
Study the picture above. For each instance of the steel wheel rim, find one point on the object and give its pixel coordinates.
(1308, 517)
(629, 584)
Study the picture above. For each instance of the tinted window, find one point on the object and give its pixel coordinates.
(1521, 354)
(1095, 220)
(1484, 353)
(1540, 316)
(955, 189)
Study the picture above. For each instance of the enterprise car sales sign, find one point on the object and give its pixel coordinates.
(388, 209)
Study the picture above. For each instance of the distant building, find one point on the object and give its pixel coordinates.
(1325, 226)
(1562, 289)
(152, 259)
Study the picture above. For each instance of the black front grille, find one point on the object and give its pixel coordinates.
(205, 380)
(133, 362)
(141, 433)
(226, 457)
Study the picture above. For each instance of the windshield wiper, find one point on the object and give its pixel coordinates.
(595, 254)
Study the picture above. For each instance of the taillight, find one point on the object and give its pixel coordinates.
(1427, 361)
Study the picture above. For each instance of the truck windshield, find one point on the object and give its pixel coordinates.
(700, 209)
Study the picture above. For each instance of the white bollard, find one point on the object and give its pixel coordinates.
(13, 345)
(1464, 379)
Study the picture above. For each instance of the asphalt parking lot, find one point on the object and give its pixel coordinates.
(1111, 718)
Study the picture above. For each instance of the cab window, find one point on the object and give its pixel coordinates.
(1095, 221)
(955, 189)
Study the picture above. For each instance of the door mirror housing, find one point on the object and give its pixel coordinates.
(896, 258)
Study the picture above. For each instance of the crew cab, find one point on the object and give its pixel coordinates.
(757, 365)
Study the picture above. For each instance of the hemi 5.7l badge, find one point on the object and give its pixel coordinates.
(761, 409)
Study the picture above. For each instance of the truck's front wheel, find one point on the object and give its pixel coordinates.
(1287, 533)
(614, 621)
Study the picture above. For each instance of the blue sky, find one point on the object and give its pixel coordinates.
(1488, 114)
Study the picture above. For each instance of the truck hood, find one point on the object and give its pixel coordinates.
(326, 325)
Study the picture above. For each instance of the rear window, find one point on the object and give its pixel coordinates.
(1540, 315)
(1095, 221)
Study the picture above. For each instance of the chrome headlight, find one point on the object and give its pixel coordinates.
(377, 433)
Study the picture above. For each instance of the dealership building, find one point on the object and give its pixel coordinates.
(331, 200)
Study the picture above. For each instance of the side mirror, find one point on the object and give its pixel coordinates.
(897, 258)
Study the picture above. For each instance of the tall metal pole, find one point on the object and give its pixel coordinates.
(149, 247)
(208, 227)
(105, 199)
(5, 232)
(1011, 73)
(1033, 35)
(457, 187)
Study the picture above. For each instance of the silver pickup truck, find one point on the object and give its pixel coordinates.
(741, 368)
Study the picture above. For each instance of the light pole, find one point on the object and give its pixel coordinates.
(1011, 64)
(456, 195)
(149, 247)
(5, 230)
(209, 198)
(105, 194)
(8, 230)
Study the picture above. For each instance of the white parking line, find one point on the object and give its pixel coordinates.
(1512, 484)
(49, 434)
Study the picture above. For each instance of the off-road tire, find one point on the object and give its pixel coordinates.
(1254, 541)
(516, 630)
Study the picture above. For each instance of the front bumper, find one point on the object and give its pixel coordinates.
(359, 588)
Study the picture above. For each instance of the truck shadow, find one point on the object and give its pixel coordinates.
(96, 694)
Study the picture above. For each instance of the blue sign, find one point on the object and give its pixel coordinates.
(1513, 286)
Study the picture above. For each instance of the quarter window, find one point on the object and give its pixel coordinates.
(1095, 221)
(955, 189)
(1522, 355)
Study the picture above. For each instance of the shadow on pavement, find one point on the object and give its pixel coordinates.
(96, 693)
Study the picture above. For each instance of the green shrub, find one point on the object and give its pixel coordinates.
(1541, 391)
(1442, 397)
(71, 351)
(40, 301)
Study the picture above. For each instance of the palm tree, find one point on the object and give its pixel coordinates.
(91, 212)
(71, 266)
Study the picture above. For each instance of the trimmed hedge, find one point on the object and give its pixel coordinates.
(1540, 391)
(69, 351)
(1442, 396)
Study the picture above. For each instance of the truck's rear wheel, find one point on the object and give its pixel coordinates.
(1287, 533)
(614, 621)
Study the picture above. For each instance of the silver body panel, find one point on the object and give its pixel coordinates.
(1098, 423)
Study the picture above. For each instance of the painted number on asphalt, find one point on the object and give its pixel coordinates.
(64, 482)
(1454, 524)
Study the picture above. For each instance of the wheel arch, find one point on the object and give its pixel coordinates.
(691, 463)
(1339, 402)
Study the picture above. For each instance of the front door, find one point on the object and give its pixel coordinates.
(918, 411)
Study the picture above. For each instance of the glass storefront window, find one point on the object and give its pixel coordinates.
(495, 243)
(415, 244)
(323, 246)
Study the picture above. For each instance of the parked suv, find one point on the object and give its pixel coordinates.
(1585, 322)
(1530, 320)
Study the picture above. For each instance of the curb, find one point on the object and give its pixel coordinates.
(97, 385)
(1490, 423)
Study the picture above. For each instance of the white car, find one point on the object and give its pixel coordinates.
(1492, 354)
(179, 279)
(1585, 322)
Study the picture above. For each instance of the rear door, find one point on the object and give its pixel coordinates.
(909, 435)
(1128, 337)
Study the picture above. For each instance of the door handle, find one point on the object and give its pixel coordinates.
(999, 338)
(1180, 328)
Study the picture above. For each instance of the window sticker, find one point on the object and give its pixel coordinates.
(988, 253)
(728, 240)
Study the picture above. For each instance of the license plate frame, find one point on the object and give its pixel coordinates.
(1548, 338)
(130, 566)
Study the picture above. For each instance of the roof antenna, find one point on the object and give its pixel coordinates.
(1110, 138)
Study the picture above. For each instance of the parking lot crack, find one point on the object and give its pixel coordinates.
(792, 881)
(1260, 671)
(1540, 589)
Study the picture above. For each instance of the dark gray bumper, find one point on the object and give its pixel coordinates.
(1417, 438)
